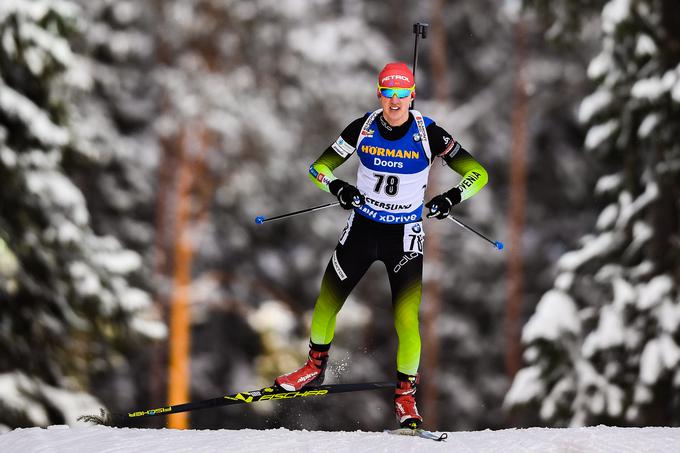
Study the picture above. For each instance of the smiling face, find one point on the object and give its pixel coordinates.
(395, 110)
(395, 80)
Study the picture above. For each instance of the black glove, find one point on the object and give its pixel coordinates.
(348, 195)
(440, 206)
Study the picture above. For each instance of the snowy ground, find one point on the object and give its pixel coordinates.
(601, 439)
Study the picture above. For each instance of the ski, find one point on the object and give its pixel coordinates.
(253, 396)
(419, 433)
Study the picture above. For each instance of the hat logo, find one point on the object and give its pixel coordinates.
(395, 76)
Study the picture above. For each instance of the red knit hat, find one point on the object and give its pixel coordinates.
(397, 75)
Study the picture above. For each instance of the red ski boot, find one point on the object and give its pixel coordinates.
(405, 401)
(311, 373)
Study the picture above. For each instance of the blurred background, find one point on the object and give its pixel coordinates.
(139, 140)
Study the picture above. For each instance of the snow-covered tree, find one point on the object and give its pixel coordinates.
(66, 304)
(603, 344)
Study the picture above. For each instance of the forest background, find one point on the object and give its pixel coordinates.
(139, 140)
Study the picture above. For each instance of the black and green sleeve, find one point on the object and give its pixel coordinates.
(321, 170)
(459, 160)
(474, 174)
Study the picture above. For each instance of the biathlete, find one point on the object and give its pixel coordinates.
(396, 147)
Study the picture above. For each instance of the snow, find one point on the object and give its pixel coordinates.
(613, 13)
(652, 293)
(71, 404)
(600, 65)
(47, 42)
(275, 318)
(645, 46)
(651, 88)
(512, 10)
(658, 355)
(629, 208)
(12, 388)
(556, 315)
(607, 217)
(526, 386)
(648, 125)
(642, 233)
(132, 299)
(118, 261)
(608, 184)
(600, 439)
(150, 328)
(624, 293)
(54, 188)
(123, 44)
(668, 315)
(17, 105)
(126, 12)
(593, 104)
(596, 394)
(593, 248)
(353, 316)
(37, 10)
(599, 133)
(610, 332)
(675, 92)
(15, 387)
(86, 281)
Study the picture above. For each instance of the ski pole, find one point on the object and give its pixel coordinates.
(498, 244)
(253, 396)
(419, 29)
(261, 219)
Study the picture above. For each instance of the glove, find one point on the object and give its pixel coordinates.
(348, 195)
(440, 206)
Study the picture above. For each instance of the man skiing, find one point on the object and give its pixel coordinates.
(396, 147)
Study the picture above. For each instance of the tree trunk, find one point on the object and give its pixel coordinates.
(432, 290)
(193, 145)
(178, 383)
(517, 203)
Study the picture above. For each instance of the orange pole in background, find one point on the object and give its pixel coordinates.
(180, 316)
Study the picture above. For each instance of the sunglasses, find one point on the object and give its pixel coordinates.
(401, 93)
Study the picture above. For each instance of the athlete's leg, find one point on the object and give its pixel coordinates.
(352, 257)
(403, 258)
(406, 285)
(404, 261)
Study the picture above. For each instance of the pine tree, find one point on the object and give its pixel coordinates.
(603, 344)
(66, 306)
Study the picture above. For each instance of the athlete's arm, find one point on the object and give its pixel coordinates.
(321, 170)
(474, 174)
(459, 160)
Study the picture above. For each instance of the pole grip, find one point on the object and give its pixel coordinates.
(419, 29)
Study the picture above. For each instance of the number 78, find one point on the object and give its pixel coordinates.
(391, 184)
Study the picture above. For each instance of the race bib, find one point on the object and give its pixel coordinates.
(414, 237)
